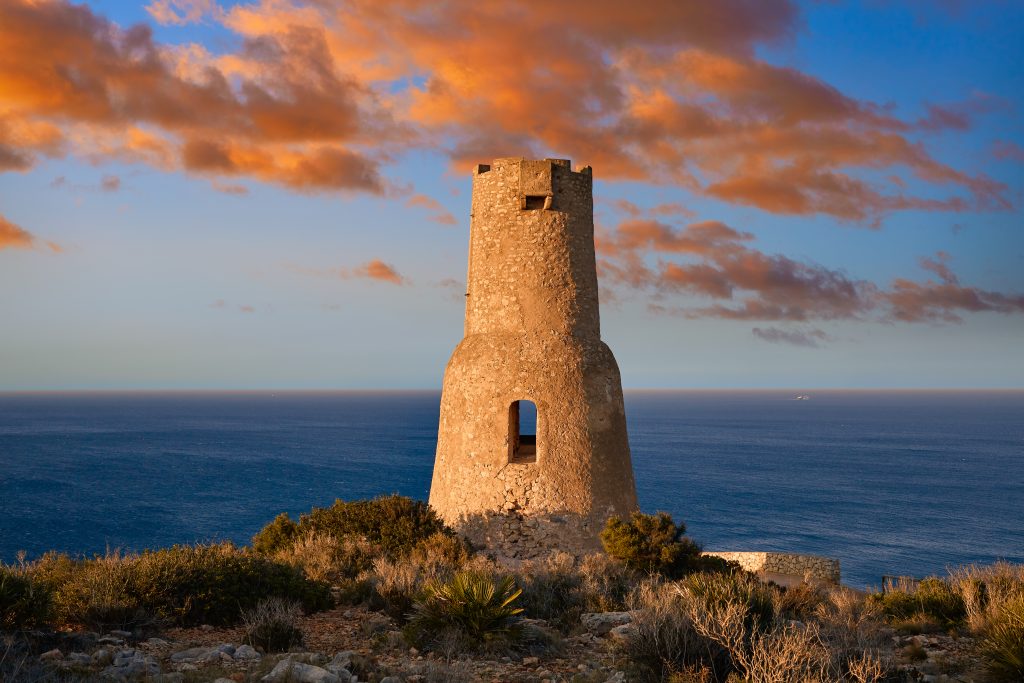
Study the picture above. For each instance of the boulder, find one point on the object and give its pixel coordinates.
(246, 653)
(623, 633)
(600, 623)
(297, 672)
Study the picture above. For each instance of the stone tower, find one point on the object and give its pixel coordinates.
(532, 334)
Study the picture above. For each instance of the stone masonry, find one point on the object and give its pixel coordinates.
(786, 564)
(532, 333)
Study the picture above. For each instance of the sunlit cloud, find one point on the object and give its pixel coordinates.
(13, 236)
(438, 214)
(719, 273)
(321, 98)
(374, 269)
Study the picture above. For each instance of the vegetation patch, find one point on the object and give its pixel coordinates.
(655, 544)
(394, 523)
(473, 606)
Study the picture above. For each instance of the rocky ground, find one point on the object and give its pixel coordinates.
(343, 645)
(349, 645)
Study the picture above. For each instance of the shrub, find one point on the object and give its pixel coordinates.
(278, 535)
(932, 598)
(102, 595)
(607, 583)
(395, 523)
(327, 558)
(986, 589)
(552, 591)
(664, 641)
(655, 544)
(213, 584)
(396, 583)
(441, 554)
(1003, 643)
(473, 605)
(799, 601)
(183, 585)
(273, 625)
(24, 602)
(707, 592)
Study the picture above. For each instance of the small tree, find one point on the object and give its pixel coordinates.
(656, 545)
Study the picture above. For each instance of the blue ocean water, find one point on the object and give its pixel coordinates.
(888, 482)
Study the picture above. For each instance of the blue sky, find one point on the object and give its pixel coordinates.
(215, 258)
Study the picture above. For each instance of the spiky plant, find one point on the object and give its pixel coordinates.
(472, 604)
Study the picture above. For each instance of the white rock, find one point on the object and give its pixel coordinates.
(51, 655)
(297, 672)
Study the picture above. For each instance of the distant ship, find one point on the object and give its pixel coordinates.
(802, 397)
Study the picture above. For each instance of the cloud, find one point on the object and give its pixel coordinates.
(945, 299)
(110, 183)
(13, 236)
(378, 270)
(319, 98)
(230, 188)
(723, 275)
(439, 214)
(181, 12)
(1007, 149)
(277, 110)
(374, 269)
(809, 338)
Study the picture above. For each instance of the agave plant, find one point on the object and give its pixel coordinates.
(472, 604)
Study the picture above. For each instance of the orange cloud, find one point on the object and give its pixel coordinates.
(14, 236)
(374, 269)
(378, 270)
(318, 96)
(293, 120)
(439, 214)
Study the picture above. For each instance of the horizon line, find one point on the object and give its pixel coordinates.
(207, 390)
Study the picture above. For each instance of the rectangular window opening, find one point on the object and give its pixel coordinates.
(534, 202)
(522, 422)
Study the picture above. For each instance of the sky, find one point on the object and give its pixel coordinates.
(202, 194)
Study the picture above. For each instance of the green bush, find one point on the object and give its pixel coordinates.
(182, 585)
(933, 598)
(273, 625)
(472, 605)
(276, 536)
(24, 602)
(213, 584)
(656, 545)
(1003, 643)
(395, 523)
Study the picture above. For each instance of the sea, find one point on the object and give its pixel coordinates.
(889, 482)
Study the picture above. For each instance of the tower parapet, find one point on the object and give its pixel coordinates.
(531, 253)
(532, 338)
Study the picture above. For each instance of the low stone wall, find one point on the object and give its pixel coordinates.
(789, 564)
(511, 537)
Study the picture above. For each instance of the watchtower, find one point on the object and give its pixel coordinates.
(516, 484)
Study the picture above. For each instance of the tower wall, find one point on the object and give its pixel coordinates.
(532, 333)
